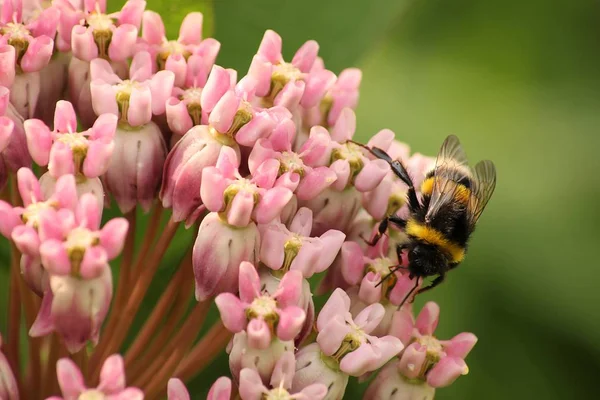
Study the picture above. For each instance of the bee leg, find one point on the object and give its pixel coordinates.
(399, 249)
(433, 284)
(399, 222)
(383, 225)
(408, 295)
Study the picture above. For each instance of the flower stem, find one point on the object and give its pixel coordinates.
(140, 287)
(49, 381)
(155, 378)
(31, 306)
(203, 352)
(14, 301)
(173, 302)
(149, 237)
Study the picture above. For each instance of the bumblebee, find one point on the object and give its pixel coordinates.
(439, 225)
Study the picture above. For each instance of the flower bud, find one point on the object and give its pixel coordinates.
(243, 355)
(390, 384)
(136, 166)
(312, 368)
(218, 252)
(182, 175)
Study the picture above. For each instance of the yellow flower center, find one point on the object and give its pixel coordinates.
(92, 394)
(31, 214)
(78, 241)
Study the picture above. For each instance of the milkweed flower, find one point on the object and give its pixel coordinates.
(337, 206)
(220, 390)
(263, 361)
(261, 314)
(111, 37)
(439, 362)
(278, 82)
(174, 55)
(344, 345)
(280, 384)
(75, 253)
(135, 169)
(25, 48)
(21, 224)
(13, 145)
(65, 151)
(112, 381)
(293, 249)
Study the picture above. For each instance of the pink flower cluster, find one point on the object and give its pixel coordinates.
(262, 167)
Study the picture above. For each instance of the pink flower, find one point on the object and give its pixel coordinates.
(261, 314)
(199, 91)
(232, 115)
(111, 387)
(8, 384)
(173, 55)
(438, 362)
(343, 93)
(109, 36)
(358, 269)
(75, 253)
(269, 283)
(220, 390)
(22, 223)
(243, 355)
(293, 249)
(67, 151)
(13, 146)
(252, 387)
(31, 40)
(218, 251)
(134, 100)
(240, 200)
(278, 82)
(136, 166)
(294, 170)
(337, 206)
(312, 368)
(389, 380)
(182, 174)
(347, 340)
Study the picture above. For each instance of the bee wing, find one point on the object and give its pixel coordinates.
(482, 187)
(451, 166)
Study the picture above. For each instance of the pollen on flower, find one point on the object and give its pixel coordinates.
(31, 214)
(263, 306)
(92, 394)
(351, 153)
(291, 162)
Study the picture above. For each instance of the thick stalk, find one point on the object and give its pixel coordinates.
(30, 306)
(14, 299)
(138, 292)
(155, 380)
(165, 306)
(203, 352)
(161, 339)
(149, 238)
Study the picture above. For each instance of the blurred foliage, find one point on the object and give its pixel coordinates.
(518, 82)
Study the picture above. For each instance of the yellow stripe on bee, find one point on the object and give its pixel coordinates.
(427, 186)
(436, 238)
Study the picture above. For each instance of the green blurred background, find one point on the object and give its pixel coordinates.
(519, 83)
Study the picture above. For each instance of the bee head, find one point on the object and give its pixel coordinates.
(426, 260)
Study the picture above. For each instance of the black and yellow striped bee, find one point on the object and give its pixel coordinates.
(439, 225)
